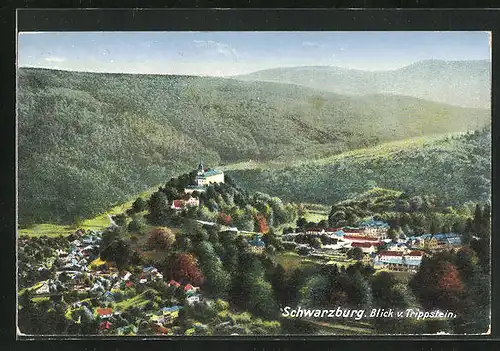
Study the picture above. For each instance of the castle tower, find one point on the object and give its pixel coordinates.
(200, 168)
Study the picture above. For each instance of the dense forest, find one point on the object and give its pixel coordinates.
(455, 168)
(88, 140)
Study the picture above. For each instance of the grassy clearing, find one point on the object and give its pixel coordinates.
(311, 216)
(292, 261)
(40, 299)
(136, 301)
(100, 222)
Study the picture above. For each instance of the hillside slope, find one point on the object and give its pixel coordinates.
(88, 140)
(455, 168)
(460, 83)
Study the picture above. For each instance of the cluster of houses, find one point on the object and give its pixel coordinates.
(398, 260)
(204, 177)
(369, 229)
(76, 269)
(371, 237)
(82, 250)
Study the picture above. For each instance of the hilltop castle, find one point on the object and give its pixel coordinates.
(204, 177)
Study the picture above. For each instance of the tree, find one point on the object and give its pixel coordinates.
(438, 283)
(137, 224)
(120, 219)
(118, 251)
(185, 268)
(392, 234)
(161, 238)
(224, 219)
(356, 253)
(158, 208)
(217, 280)
(301, 223)
(261, 224)
(316, 243)
(478, 219)
(337, 218)
(139, 205)
(358, 290)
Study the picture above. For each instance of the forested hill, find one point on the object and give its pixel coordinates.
(455, 168)
(89, 140)
(461, 83)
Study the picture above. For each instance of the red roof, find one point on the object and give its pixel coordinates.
(129, 284)
(104, 311)
(332, 229)
(359, 238)
(178, 203)
(188, 287)
(416, 253)
(347, 230)
(390, 253)
(173, 282)
(362, 244)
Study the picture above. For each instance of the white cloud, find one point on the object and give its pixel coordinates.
(221, 48)
(55, 59)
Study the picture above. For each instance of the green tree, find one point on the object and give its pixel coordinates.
(139, 205)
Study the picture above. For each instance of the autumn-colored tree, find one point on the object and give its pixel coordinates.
(161, 238)
(261, 224)
(185, 268)
(450, 283)
(438, 283)
(224, 218)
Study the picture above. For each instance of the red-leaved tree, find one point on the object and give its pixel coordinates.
(185, 268)
(261, 222)
(224, 218)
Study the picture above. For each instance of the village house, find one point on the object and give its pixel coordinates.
(191, 290)
(448, 240)
(173, 283)
(352, 231)
(181, 204)
(366, 247)
(191, 300)
(374, 228)
(150, 273)
(431, 243)
(169, 310)
(104, 312)
(401, 247)
(399, 261)
(257, 245)
(414, 256)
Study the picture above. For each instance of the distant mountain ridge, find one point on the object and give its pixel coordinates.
(460, 83)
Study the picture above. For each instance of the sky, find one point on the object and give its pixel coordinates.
(232, 53)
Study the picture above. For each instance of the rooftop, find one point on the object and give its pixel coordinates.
(210, 172)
